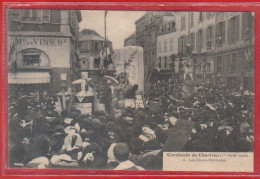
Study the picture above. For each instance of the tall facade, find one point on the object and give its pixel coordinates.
(234, 62)
(201, 40)
(147, 28)
(214, 47)
(167, 45)
(43, 48)
(91, 44)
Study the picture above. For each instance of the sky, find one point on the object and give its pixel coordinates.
(120, 24)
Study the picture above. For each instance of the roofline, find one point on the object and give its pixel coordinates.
(134, 33)
(141, 18)
(95, 40)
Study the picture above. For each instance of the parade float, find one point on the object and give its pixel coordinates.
(108, 94)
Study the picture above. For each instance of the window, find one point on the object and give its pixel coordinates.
(201, 17)
(208, 68)
(173, 25)
(46, 16)
(159, 47)
(231, 62)
(165, 46)
(219, 64)
(192, 41)
(239, 61)
(96, 46)
(209, 36)
(31, 57)
(55, 16)
(209, 15)
(168, 26)
(84, 47)
(96, 62)
(248, 25)
(182, 44)
(171, 44)
(233, 29)
(191, 19)
(226, 63)
(14, 14)
(159, 62)
(165, 62)
(220, 33)
(161, 28)
(31, 15)
(200, 39)
(183, 23)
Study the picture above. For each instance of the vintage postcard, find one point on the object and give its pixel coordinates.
(131, 90)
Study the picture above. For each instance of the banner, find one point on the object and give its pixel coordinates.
(85, 108)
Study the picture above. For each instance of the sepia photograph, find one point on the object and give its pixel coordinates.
(131, 90)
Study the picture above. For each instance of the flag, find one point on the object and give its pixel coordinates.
(105, 57)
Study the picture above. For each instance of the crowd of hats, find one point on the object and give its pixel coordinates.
(41, 138)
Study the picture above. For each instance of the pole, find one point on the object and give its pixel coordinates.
(105, 34)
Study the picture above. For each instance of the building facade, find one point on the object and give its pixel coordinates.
(235, 44)
(43, 48)
(131, 40)
(167, 46)
(201, 40)
(90, 46)
(147, 28)
(214, 47)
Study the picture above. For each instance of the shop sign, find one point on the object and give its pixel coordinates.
(37, 41)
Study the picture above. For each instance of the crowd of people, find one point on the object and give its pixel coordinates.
(128, 139)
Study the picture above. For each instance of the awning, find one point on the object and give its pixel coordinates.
(28, 77)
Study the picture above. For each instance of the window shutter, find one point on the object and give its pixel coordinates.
(217, 34)
(223, 32)
(46, 16)
(207, 36)
(229, 30)
(237, 28)
(213, 36)
(179, 44)
(184, 44)
(55, 16)
(25, 13)
(243, 24)
(202, 38)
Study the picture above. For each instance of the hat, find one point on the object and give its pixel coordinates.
(68, 120)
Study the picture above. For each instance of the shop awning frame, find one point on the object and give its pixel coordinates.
(28, 78)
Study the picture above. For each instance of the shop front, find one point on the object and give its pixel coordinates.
(36, 63)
